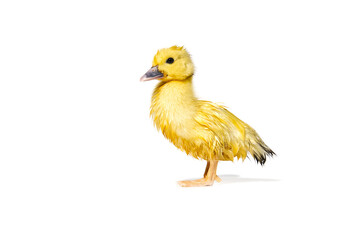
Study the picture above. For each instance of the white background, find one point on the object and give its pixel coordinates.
(80, 159)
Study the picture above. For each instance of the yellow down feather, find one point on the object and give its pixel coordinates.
(202, 129)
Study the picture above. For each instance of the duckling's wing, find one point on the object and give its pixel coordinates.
(224, 132)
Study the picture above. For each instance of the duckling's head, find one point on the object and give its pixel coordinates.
(172, 63)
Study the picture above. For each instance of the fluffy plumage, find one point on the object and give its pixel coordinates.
(202, 129)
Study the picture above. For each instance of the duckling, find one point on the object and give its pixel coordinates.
(202, 129)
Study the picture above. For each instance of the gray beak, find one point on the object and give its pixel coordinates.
(151, 74)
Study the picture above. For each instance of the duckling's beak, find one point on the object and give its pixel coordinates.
(151, 74)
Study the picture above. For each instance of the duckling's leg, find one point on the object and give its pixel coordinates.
(218, 179)
(208, 179)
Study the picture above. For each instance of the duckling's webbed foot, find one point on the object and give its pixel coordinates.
(208, 179)
(196, 183)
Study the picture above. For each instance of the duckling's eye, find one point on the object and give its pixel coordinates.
(170, 60)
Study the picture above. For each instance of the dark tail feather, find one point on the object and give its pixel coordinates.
(261, 154)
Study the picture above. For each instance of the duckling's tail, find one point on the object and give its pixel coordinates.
(258, 149)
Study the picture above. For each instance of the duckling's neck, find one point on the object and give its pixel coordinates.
(173, 103)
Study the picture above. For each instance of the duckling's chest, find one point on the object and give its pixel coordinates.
(173, 108)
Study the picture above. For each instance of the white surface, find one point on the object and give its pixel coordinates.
(80, 159)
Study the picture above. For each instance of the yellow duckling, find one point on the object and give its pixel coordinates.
(202, 129)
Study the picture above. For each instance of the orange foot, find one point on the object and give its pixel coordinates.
(199, 182)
